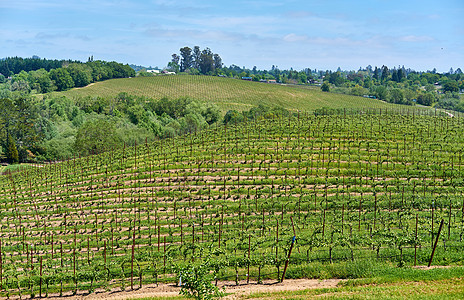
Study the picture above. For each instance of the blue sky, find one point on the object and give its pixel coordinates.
(419, 34)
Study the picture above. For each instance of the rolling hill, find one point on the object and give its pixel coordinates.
(227, 93)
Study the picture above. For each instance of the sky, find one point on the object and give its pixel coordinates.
(298, 34)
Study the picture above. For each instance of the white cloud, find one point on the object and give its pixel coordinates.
(295, 38)
(416, 38)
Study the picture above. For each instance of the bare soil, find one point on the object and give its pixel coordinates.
(232, 290)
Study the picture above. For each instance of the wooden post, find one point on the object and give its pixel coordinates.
(288, 258)
(436, 242)
(40, 280)
(1, 266)
(290, 251)
(249, 250)
(415, 245)
(74, 268)
(132, 260)
(104, 252)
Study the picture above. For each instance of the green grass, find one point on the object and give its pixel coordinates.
(227, 93)
(439, 289)
(386, 282)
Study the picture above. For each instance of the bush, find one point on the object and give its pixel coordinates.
(95, 136)
(325, 87)
(196, 281)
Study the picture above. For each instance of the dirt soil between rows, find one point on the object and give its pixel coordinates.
(233, 291)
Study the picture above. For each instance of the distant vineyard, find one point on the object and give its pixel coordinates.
(226, 93)
(351, 186)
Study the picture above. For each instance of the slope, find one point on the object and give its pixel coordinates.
(226, 93)
(353, 189)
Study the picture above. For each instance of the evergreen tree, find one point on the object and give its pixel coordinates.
(376, 73)
(12, 155)
(400, 75)
(385, 73)
(395, 76)
(186, 59)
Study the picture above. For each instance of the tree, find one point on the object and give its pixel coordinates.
(450, 86)
(196, 57)
(376, 73)
(95, 136)
(325, 87)
(395, 76)
(396, 96)
(357, 91)
(40, 81)
(381, 92)
(206, 61)
(302, 78)
(217, 61)
(425, 99)
(400, 75)
(62, 79)
(12, 155)
(336, 78)
(385, 74)
(81, 74)
(429, 87)
(18, 121)
(186, 59)
(175, 58)
(173, 67)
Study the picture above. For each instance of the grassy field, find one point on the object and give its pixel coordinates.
(439, 289)
(226, 93)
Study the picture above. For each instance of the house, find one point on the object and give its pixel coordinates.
(247, 78)
(153, 71)
(271, 81)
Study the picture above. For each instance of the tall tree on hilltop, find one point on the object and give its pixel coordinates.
(206, 61)
(385, 74)
(186, 59)
(175, 58)
(217, 61)
(196, 57)
(376, 73)
(395, 76)
(400, 74)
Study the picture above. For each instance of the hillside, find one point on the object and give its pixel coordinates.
(353, 189)
(227, 93)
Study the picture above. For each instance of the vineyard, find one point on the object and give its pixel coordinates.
(227, 93)
(373, 185)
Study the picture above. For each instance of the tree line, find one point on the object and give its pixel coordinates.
(13, 65)
(400, 85)
(63, 76)
(396, 85)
